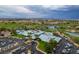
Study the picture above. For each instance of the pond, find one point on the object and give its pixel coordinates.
(73, 34)
(51, 27)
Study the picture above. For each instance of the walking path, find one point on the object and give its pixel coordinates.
(39, 49)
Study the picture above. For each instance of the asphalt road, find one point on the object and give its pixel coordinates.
(64, 44)
(33, 48)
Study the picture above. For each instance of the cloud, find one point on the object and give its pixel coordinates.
(15, 11)
(20, 9)
(39, 11)
(56, 7)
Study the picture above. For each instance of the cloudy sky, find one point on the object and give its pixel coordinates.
(40, 11)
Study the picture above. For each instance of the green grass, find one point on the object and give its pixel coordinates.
(19, 36)
(17, 25)
(14, 34)
(47, 46)
(42, 45)
(75, 39)
(10, 25)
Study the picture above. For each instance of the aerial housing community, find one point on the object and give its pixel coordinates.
(39, 36)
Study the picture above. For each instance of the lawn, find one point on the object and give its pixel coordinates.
(10, 25)
(42, 45)
(22, 25)
(14, 34)
(19, 36)
(75, 39)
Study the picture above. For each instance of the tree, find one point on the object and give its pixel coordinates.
(52, 43)
(48, 49)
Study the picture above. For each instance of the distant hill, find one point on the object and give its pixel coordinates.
(35, 19)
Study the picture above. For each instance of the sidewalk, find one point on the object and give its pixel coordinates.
(39, 49)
